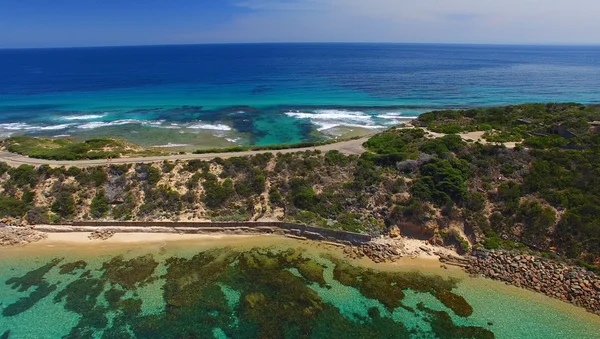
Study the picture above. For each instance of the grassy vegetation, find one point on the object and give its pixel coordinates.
(68, 149)
(536, 124)
(270, 147)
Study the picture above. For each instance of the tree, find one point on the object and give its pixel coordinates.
(64, 205)
(99, 206)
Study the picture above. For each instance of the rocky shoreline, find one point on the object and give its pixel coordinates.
(575, 285)
(10, 236)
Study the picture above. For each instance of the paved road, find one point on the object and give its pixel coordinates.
(346, 147)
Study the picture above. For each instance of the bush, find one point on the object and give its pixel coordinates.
(254, 183)
(348, 222)
(415, 211)
(125, 210)
(195, 164)
(302, 194)
(64, 205)
(92, 177)
(551, 141)
(162, 198)
(442, 181)
(37, 216)
(24, 175)
(99, 206)
(215, 193)
(11, 207)
(275, 196)
(446, 128)
(386, 143)
(167, 166)
(335, 158)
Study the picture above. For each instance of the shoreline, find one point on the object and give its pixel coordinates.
(381, 253)
(376, 250)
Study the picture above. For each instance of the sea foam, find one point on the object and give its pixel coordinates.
(326, 119)
(169, 145)
(213, 127)
(84, 117)
(53, 127)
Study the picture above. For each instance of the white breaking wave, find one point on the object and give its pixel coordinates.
(332, 114)
(395, 116)
(98, 124)
(326, 119)
(84, 117)
(232, 140)
(54, 127)
(61, 136)
(215, 127)
(16, 126)
(169, 145)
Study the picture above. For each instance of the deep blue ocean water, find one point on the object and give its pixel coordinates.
(274, 93)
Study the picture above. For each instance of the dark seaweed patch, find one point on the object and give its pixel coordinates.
(32, 278)
(5, 335)
(388, 287)
(42, 290)
(81, 295)
(130, 273)
(69, 268)
(444, 328)
(455, 302)
(274, 302)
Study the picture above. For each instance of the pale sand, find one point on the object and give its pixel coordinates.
(411, 248)
(80, 238)
(58, 244)
(476, 136)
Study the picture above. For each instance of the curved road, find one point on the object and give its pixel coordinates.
(346, 147)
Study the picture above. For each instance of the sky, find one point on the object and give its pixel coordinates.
(63, 23)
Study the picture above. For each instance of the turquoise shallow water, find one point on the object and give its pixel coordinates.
(274, 93)
(281, 290)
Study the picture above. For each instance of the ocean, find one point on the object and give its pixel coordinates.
(259, 287)
(262, 94)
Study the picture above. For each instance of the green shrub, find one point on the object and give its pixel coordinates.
(446, 128)
(275, 196)
(64, 205)
(11, 207)
(99, 206)
(215, 193)
(24, 175)
(349, 222)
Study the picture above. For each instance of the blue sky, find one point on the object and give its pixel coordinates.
(52, 23)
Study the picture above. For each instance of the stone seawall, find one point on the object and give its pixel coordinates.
(291, 229)
(570, 284)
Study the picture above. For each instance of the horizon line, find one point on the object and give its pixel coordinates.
(313, 43)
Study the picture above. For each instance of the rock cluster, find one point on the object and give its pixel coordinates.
(376, 252)
(10, 236)
(571, 284)
(101, 235)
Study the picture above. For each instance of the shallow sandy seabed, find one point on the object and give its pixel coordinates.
(477, 290)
